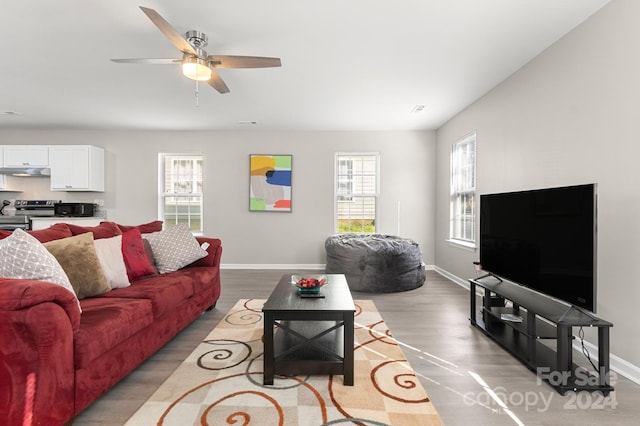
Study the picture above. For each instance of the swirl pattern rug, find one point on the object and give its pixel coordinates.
(220, 383)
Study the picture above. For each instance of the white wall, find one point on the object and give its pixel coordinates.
(569, 116)
(407, 172)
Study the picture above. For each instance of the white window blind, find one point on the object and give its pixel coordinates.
(356, 192)
(463, 190)
(181, 190)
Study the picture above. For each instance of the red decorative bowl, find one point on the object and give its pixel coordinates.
(308, 284)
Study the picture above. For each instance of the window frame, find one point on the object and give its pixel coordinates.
(352, 196)
(163, 194)
(463, 192)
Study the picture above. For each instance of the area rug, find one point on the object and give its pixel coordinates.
(220, 383)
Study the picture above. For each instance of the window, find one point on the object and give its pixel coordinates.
(356, 192)
(181, 190)
(463, 190)
(345, 178)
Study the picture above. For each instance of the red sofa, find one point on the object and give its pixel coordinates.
(76, 357)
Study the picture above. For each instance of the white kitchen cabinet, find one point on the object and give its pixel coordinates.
(3, 179)
(4, 182)
(76, 168)
(25, 155)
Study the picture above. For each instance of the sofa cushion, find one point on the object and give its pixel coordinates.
(165, 292)
(77, 256)
(24, 257)
(106, 322)
(174, 248)
(135, 258)
(201, 277)
(109, 251)
(144, 228)
(103, 230)
(54, 232)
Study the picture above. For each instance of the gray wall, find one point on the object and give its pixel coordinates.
(570, 116)
(407, 180)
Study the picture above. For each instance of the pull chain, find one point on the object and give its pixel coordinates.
(197, 98)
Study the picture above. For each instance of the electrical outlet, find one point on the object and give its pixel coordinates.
(99, 203)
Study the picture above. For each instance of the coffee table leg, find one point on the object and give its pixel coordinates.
(268, 355)
(348, 349)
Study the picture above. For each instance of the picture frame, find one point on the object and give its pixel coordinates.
(270, 182)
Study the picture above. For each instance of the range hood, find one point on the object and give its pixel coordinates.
(25, 171)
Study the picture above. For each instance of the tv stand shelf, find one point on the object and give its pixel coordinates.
(543, 320)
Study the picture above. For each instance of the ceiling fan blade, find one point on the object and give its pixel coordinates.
(217, 83)
(227, 61)
(165, 27)
(151, 61)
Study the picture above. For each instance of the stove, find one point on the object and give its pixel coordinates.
(35, 207)
(24, 211)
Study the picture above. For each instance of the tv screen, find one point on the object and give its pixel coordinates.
(544, 239)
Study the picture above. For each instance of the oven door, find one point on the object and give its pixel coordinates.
(9, 223)
(11, 227)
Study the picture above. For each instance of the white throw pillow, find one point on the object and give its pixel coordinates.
(23, 256)
(174, 248)
(109, 251)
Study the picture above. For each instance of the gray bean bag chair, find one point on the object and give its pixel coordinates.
(375, 262)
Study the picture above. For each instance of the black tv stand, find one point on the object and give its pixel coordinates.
(542, 319)
(571, 308)
(489, 274)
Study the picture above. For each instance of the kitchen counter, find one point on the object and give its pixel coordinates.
(45, 222)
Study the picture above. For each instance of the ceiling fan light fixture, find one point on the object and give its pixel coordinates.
(196, 63)
(196, 69)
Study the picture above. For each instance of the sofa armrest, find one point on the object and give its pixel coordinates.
(19, 294)
(214, 253)
(38, 322)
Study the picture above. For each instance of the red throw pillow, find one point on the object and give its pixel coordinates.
(149, 253)
(104, 230)
(135, 258)
(145, 228)
(4, 234)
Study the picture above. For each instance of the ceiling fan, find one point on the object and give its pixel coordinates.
(196, 63)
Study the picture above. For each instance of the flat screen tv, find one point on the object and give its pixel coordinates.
(543, 239)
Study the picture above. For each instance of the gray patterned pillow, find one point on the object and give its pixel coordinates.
(174, 248)
(22, 256)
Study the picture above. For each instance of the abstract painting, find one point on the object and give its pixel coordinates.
(270, 183)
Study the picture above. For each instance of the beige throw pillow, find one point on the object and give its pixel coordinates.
(77, 256)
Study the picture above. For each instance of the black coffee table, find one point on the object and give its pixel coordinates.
(312, 335)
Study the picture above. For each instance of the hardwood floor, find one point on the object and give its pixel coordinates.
(459, 366)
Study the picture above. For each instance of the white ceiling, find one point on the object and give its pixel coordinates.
(346, 64)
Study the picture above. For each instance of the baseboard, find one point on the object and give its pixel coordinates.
(285, 266)
(617, 364)
(461, 282)
(313, 266)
